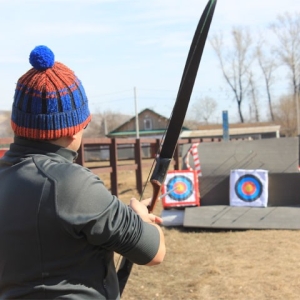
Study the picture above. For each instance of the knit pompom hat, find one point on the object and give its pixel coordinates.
(49, 100)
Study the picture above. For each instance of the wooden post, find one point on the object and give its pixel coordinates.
(114, 164)
(176, 158)
(138, 161)
(157, 147)
(80, 158)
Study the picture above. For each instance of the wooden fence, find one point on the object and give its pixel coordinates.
(133, 164)
(114, 164)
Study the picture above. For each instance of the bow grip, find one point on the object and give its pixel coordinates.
(158, 178)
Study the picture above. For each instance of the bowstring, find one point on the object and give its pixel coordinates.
(156, 155)
(118, 263)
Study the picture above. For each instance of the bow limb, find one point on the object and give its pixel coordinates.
(176, 121)
(182, 101)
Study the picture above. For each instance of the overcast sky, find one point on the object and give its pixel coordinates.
(116, 45)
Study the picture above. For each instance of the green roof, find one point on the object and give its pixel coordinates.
(133, 132)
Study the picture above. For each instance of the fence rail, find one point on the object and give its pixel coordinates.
(114, 146)
(114, 167)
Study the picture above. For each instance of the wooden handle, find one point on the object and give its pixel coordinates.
(156, 186)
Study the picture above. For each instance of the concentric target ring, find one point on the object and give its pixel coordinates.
(181, 188)
(248, 188)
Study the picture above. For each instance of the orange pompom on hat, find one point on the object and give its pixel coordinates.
(49, 101)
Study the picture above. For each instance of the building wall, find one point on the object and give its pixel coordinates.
(157, 122)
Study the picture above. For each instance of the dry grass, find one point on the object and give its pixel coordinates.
(203, 264)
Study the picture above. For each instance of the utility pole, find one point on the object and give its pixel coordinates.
(105, 126)
(136, 115)
(297, 111)
(225, 126)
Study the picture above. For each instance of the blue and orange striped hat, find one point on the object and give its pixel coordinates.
(49, 101)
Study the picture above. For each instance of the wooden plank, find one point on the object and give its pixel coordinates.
(229, 217)
(97, 170)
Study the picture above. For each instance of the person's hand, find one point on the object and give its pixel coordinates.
(140, 207)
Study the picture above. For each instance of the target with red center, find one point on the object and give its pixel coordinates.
(248, 188)
(180, 189)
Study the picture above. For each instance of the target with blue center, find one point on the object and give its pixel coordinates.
(248, 188)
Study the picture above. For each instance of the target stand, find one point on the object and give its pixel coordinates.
(180, 189)
(249, 188)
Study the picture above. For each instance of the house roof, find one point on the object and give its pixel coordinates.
(237, 125)
(117, 131)
(234, 129)
(141, 132)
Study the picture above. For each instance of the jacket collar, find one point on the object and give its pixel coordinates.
(40, 147)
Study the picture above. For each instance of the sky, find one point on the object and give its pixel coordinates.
(116, 47)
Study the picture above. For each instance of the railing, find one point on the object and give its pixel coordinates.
(114, 162)
(114, 165)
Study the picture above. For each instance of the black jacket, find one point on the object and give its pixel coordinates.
(59, 227)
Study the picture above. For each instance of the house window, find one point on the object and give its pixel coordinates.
(147, 124)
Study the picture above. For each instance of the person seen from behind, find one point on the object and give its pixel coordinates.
(59, 224)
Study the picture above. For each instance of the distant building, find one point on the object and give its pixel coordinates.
(151, 125)
(252, 131)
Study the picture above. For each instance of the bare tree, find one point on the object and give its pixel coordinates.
(103, 123)
(268, 67)
(236, 63)
(285, 114)
(287, 31)
(204, 108)
(191, 124)
(254, 103)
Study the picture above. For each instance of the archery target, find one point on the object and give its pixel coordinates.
(180, 189)
(249, 188)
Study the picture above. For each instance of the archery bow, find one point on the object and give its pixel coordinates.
(175, 124)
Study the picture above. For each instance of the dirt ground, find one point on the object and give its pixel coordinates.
(206, 264)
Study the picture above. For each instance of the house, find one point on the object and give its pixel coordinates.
(150, 123)
(252, 131)
(153, 125)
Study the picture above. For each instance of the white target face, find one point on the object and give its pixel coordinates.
(249, 188)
